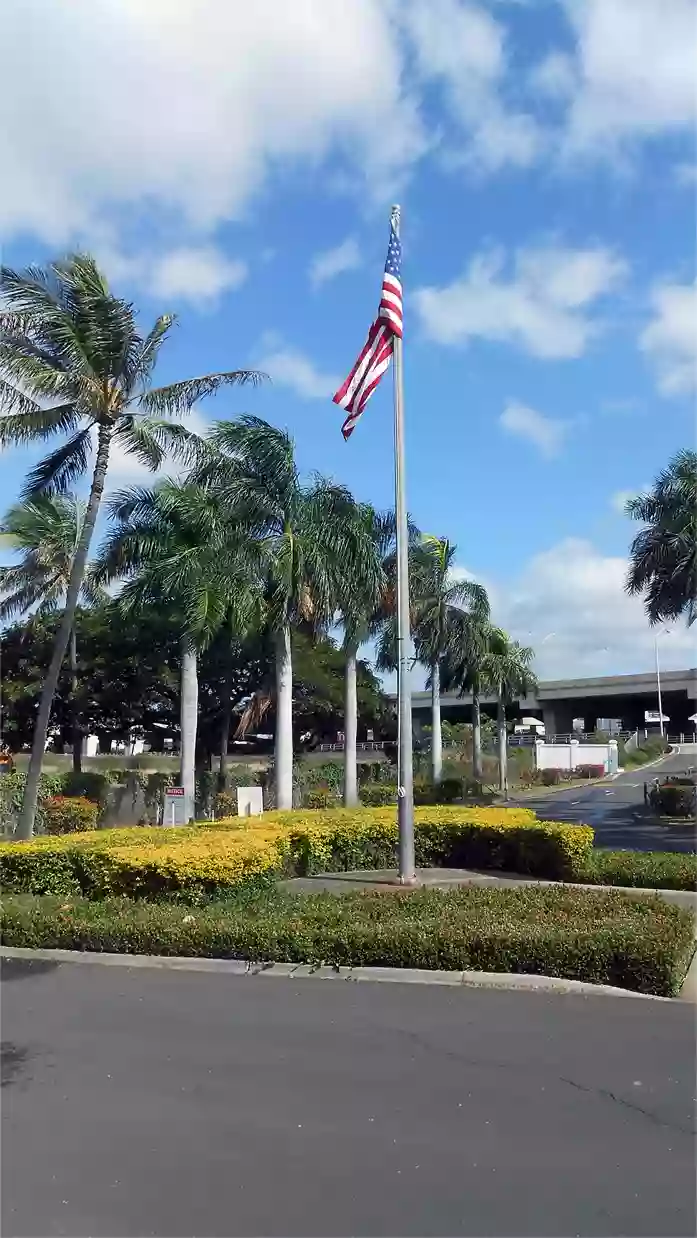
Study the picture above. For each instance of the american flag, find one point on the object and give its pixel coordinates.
(377, 351)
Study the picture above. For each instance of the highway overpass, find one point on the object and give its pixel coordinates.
(558, 701)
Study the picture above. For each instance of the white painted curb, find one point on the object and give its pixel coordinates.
(305, 971)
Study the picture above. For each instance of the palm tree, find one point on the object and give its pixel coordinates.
(72, 360)
(300, 532)
(663, 557)
(47, 529)
(463, 667)
(361, 590)
(175, 544)
(437, 603)
(508, 672)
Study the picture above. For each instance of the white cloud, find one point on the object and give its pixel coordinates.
(686, 175)
(543, 306)
(635, 71)
(288, 367)
(555, 76)
(463, 48)
(332, 262)
(126, 470)
(195, 274)
(619, 500)
(670, 339)
(576, 592)
(547, 434)
(213, 97)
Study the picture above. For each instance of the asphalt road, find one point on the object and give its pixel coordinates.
(144, 1102)
(615, 810)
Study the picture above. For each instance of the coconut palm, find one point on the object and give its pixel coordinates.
(438, 601)
(47, 530)
(508, 673)
(360, 596)
(663, 557)
(73, 362)
(463, 668)
(301, 534)
(176, 545)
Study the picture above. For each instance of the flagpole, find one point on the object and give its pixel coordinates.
(405, 776)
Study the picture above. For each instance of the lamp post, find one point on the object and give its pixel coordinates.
(666, 631)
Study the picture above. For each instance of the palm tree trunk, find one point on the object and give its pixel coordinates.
(188, 721)
(76, 732)
(225, 739)
(283, 754)
(503, 739)
(436, 733)
(25, 825)
(225, 728)
(476, 735)
(350, 730)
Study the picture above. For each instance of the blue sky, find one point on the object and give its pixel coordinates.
(238, 166)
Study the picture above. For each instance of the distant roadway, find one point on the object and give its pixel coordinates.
(614, 808)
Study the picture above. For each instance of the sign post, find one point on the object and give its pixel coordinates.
(176, 811)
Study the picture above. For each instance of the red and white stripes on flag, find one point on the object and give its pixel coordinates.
(376, 354)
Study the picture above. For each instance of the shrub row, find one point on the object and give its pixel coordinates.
(603, 938)
(651, 870)
(206, 861)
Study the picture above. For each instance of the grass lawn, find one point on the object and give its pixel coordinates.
(602, 937)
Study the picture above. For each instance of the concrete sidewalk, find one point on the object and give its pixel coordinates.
(446, 878)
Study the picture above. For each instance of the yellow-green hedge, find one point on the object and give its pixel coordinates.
(209, 860)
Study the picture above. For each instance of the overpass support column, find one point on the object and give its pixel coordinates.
(549, 719)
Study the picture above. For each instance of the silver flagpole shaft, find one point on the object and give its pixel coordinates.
(405, 790)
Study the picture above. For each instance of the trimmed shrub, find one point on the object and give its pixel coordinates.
(321, 797)
(65, 814)
(589, 771)
(652, 870)
(674, 799)
(375, 794)
(551, 777)
(603, 937)
(207, 860)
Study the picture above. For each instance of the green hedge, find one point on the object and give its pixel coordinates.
(203, 861)
(599, 937)
(653, 870)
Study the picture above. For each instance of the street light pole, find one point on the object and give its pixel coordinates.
(659, 686)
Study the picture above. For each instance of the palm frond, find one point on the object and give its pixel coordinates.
(31, 421)
(177, 399)
(57, 472)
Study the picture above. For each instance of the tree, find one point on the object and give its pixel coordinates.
(361, 589)
(300, 534)
(463, 667)
(438, 602)
(176, 542)
(663, 556)
(507, 670)
(47, 530)
(72, 358)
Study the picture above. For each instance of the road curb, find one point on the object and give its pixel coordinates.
(305, 971)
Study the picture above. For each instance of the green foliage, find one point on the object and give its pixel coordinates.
(601, 937)
(674, 799)
(204, 859)
(64, 814)
(375, 794)
(12, 791)
(650, 870)
(663, 556)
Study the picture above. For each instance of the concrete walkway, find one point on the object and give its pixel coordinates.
(387, 881)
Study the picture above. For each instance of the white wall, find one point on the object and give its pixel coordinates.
(573, 754)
